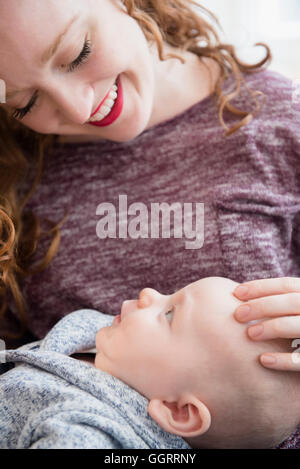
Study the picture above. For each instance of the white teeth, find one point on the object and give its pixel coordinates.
(106, 106)
(109, 103)
(113, 95)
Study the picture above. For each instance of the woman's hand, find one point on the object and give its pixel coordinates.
(279, 299)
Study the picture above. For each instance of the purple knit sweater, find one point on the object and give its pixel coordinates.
(249, 184)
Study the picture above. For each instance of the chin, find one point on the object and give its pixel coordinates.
(128, 132)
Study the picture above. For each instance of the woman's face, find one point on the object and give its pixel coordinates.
(60, 59)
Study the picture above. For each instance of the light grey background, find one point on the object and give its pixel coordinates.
(276, 22)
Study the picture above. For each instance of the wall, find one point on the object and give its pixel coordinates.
(276, 22)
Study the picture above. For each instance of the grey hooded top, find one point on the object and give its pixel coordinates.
(50, 400)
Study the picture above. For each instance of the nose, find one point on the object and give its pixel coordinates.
(72, 102)
(147, 297)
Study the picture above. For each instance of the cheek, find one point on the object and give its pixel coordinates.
(132, 344)
(107, 60)
(132, 335)
(40, 120)
(38, 126)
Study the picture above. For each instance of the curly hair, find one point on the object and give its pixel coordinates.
(181, 24)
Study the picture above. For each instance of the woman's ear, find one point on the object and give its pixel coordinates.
(188, 417)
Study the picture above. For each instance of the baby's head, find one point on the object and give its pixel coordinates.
(200, 371)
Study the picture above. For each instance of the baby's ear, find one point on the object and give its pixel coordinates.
(187, 417)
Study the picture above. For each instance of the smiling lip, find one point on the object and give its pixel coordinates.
(115, 111)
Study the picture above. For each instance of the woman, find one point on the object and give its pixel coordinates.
(128, 99)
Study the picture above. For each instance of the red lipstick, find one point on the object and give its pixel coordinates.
(116, 109)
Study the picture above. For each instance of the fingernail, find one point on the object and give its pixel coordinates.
(256, 330)
(243, 312)
(268, 359)
(241, 291)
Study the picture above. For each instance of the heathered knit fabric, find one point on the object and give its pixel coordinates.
(50, 400)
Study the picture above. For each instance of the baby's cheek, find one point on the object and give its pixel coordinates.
(133, 334)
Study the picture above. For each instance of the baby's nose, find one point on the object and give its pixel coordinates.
(147, 297)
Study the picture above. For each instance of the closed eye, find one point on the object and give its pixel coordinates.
(169, 314)
(84, 54)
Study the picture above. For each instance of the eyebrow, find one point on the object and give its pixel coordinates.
(46, 56)
(53, 48)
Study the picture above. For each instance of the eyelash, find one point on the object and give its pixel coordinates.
(84, 54)
(170, 311)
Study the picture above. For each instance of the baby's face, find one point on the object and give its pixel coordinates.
(162, 343)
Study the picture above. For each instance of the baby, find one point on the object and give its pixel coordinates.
(198, 368)
(172, 372)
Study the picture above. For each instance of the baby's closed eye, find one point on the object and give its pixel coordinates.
(169, 314)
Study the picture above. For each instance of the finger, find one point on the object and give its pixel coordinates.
(287, 327)
(282, 361)
(267, 287)
(270, 306)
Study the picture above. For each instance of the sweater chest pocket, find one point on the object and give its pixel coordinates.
(255, 232)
